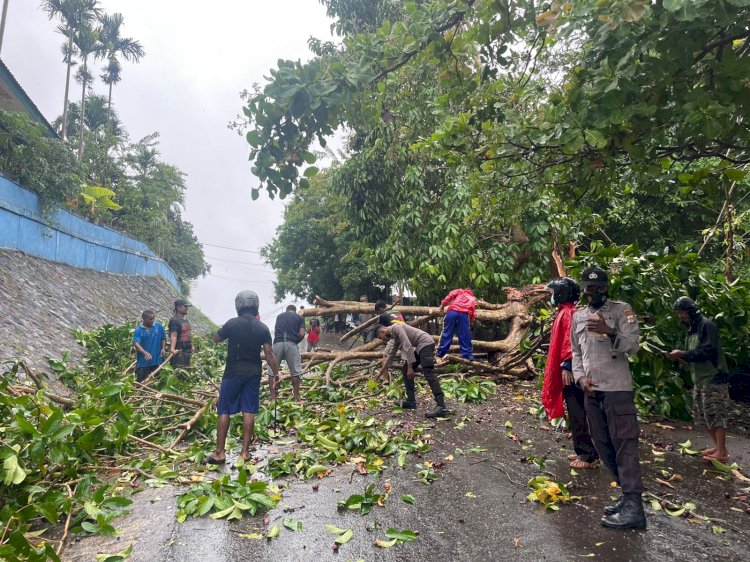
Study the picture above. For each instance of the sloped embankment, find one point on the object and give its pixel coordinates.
(42, 302)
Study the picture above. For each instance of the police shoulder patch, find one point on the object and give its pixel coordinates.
(629, 314)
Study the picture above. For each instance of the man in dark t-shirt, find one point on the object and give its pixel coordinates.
(289, 331)
(240, 386)
(180, 336)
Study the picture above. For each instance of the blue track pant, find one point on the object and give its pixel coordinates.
(456, 322)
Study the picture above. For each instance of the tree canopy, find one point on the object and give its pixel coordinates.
(480, 133)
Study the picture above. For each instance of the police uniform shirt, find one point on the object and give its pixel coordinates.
(600, 357)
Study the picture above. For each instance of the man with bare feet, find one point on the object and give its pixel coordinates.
(705, 357)
(240, 386)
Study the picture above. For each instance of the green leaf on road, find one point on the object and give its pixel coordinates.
(293, 524)
(403, 536)
(408, 499)
(345, 538)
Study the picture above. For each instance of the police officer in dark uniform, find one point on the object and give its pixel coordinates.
(603, 334)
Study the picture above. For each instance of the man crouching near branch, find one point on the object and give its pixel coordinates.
(417, 349)
(240, 386)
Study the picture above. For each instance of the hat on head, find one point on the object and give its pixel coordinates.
(181, 302)
(594, 276)
(687, 304)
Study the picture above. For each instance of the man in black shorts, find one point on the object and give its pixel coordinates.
(240, 386)
(180, 336)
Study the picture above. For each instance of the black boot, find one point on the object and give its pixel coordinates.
(440, 410)
(615, 507)
(406, 404)
(630, 516)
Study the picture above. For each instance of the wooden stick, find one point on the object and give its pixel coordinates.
(67, 522)
(158, 394)
(149, 378)
(130, 367)
(329, 370)
(362, 327)
(190, 423)
(479, 365)
(32, 376)
(149, 444)
(54, 397)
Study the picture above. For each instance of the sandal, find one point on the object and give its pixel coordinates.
(572, 457)
(578, 463)
(708, 452)
(213, 460)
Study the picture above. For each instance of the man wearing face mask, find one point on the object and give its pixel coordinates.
(603, 334)
(708, 366)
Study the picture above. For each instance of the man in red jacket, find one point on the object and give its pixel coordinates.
(461, 306)
(558, 375)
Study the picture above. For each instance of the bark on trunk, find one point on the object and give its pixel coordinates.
(67, 86)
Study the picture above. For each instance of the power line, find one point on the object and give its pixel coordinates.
(236, 261)
(223, 267)
(233, 249)
(238, 280)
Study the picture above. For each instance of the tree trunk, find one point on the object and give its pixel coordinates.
(67, 86)
(502, 313)
(83, 112)
(109, 105)
(2, 22)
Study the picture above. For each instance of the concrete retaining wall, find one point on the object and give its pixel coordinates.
(63, 237)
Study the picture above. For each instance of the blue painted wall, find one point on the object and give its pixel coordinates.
(66, 238)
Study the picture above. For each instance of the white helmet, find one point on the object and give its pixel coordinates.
(246, 299)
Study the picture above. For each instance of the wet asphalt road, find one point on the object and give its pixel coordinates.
(497, 524)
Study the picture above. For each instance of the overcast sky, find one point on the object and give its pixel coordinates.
(199, 56)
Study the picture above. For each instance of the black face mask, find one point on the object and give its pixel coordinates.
(597, 300)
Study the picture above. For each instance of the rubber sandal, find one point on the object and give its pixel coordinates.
(212, 460)
(572, 457)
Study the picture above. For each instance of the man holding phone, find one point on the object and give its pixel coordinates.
(603, 334)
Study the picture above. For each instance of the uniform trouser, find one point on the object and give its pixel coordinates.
(426, 358)
(582, 444)
(615, 430)
(452, 323)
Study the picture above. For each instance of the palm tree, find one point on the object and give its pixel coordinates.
(87, 41)
(95, 119)
(3, 17)
(114, 46)
(73, 14)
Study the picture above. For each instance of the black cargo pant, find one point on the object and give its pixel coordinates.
(579, 427)
(615, 430)
(426, 358)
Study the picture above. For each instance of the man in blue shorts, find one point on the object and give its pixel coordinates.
(240, 386)
(149, 341)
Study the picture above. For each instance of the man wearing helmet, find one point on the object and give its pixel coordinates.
(240, 386)
(704, 354)
(602, 336)
(558, 374)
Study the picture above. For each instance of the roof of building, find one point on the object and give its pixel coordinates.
(14, 98)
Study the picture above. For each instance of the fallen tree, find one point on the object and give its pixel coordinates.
(504, 356)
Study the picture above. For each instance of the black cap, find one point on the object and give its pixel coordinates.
(594, 276)
(181, 302)
(686, 303)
